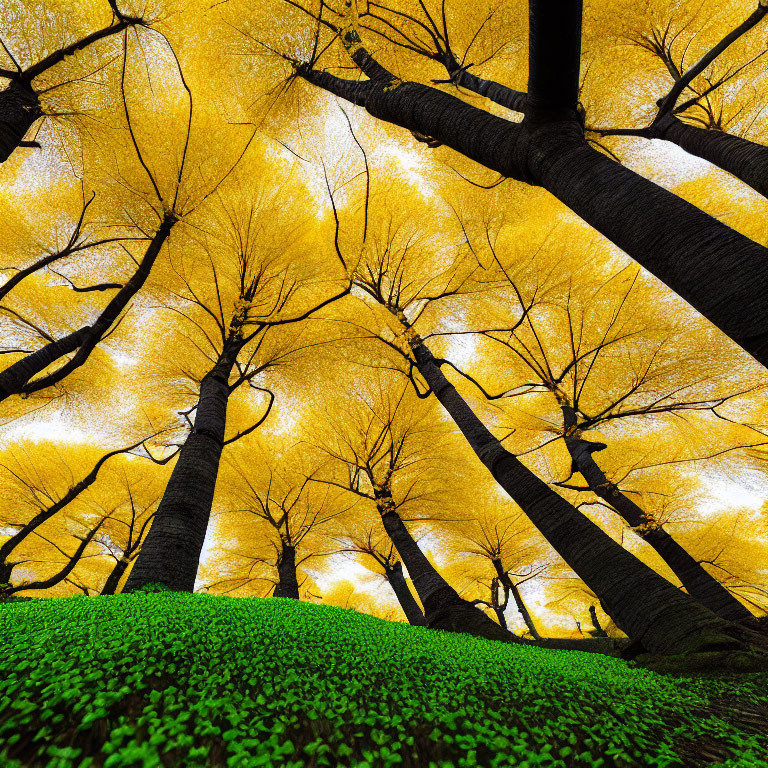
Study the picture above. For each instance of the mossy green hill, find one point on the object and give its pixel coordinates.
(171, 679)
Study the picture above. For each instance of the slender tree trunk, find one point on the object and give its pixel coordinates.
(19, 108)
(407, 601)
(110, 585)
(744, 159)
(170, 554)
(517, 597)
(443, 608)
(717, 270)
(288, 584)
(697, 582)
(642, 603)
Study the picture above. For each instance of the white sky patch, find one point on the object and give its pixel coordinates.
(412, 164)
(666, 164)
(726, 493)
(52, 428)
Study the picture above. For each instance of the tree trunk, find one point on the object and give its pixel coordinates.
(170, 553)
(288, 584)
(717, 270)
(697, 582)
(642, 603)
(518, 598)
(110, 585)
(744, 159)
(407, 601)
(443, 608)
(554, 56)
(19, 108)
(13, 378)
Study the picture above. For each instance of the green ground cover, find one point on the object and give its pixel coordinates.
(166, 679)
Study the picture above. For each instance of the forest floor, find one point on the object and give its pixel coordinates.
(191, 680)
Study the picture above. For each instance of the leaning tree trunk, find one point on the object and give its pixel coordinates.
(170, 554)
(744, 159)
(642, 603)
(16, 379)
(598, 631)
(287, 584)
(407, 601)
(697, 582)
(443, 608)
(110, 585)
(517, 597)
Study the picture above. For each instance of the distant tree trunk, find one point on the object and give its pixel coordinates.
(517, 597)
(19, 108)
(697, 582)
(443, 608)
(407, 601)
(744, 159)
(170, 554)
(642, 603)
(110, 585)
(288, 584)
(598, 630)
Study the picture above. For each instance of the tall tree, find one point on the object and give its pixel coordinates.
(378, 451)
(624, 584)
(241, 285)
(376, 550)
(608, 364)
(289, 511)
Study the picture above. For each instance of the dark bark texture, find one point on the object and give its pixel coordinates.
(696, 580)
(554, 56)
(19, 108)
(170, 554)
(744, 159)
(641, 603)
(287, 584)
(407, 601)
(443, 608)
(110, 585)
(598, 631)
(14, 377)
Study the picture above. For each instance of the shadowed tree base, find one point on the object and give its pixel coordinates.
(288, 584)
